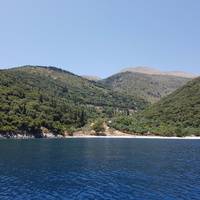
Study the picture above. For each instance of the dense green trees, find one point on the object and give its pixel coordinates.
(36, 97)
(33, 99)
(177, 114)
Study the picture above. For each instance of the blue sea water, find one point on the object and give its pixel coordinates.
(140, 169)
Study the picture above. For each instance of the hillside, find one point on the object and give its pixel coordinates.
(146, 86)
(176, 114)
(33, 97)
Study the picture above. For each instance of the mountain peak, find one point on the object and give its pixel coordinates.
(154, 71)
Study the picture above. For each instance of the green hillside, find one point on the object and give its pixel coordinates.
(32, 97)
(176, 114)
(146, 86)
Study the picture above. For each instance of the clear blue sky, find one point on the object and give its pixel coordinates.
(99, 37)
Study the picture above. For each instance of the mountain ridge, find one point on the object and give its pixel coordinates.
(154, 71)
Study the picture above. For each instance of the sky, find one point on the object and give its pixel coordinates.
(100, 37)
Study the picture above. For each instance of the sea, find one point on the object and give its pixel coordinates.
(99, 169)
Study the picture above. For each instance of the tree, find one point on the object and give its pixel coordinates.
(98, 127)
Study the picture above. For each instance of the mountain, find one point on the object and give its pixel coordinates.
(175, 115)
(91, 78)
(153, 71)
(144, 85)
(33, 98)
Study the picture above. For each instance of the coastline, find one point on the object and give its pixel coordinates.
(104, 137)
(134, 137)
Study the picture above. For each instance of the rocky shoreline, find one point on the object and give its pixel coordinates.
(66, 135)
(82, 134)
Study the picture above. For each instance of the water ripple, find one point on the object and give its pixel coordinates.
(99, 169)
